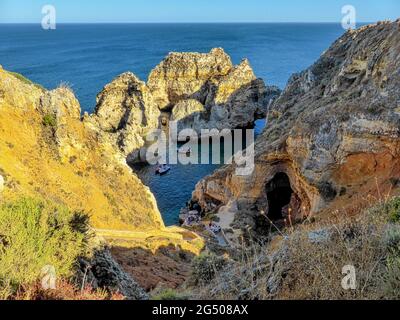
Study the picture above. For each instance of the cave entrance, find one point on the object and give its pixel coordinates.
(279, 194)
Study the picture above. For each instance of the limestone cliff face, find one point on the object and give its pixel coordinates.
(206, 91)
(183, 75)
(334, 131)
(125, 102)
(125, 113)
(199, 91)
(47, 151)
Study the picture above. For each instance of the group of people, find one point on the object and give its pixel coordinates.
(192, 218)
(214, 227)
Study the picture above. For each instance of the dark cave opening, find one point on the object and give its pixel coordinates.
(279, 194)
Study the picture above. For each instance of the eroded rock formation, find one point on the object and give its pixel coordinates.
(207, 91)
(182, 76)
(334, 132)
(125, 113)
(199, 91)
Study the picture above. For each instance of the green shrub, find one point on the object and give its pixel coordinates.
(21, 77)
(205, 267)
(393, 208)
(49, 120)
(26, 80)
(389, 210)
(392, 238)
(391, 278)
(35, 234)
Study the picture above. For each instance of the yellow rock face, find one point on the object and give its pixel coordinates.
(47, 151)
(182, 75)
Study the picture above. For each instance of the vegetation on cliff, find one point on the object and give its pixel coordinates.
(332, 137)
(306, 261)
(47, 151)
(323, 192)
(35, 234)
(331, 148)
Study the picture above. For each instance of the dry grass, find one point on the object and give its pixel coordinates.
(66, 86)
(64, 290)
(306, 261)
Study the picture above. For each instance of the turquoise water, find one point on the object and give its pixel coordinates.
(89, 56)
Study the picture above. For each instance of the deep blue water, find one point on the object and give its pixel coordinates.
(89, 56)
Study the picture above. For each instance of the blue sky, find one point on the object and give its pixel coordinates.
(13, 11)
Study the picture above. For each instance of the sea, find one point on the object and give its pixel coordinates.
(88, 56)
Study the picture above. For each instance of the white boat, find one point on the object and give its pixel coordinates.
(162, 169)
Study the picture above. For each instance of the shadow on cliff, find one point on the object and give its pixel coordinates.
(254, 92)
(243, 107)
(167, 267)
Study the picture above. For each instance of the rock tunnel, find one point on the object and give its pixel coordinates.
(280, 196)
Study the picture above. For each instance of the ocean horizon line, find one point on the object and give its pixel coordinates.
(231, 22)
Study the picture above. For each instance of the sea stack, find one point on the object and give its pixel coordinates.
(197, 90)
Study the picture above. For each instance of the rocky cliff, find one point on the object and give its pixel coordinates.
(208, 91)
(47, 151)
(125, 113)
(199, 91)
(332, 136)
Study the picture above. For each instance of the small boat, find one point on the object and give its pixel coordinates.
(162, 169)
